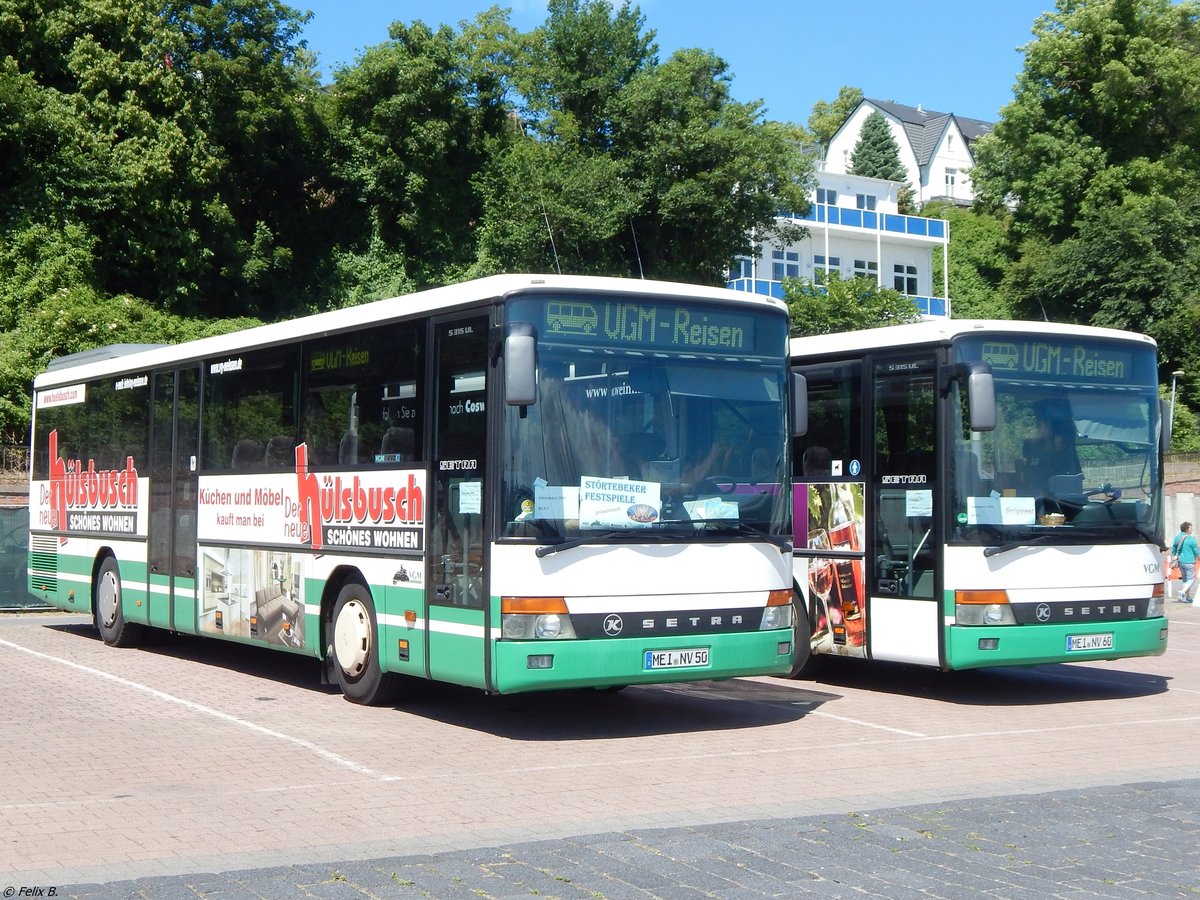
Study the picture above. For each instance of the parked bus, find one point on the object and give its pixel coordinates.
(974, 494)
(452, 485)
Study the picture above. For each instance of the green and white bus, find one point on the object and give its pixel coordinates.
(441, 485)
(974, 494)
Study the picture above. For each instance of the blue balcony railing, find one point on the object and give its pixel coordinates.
(892, 223)
(927, 306)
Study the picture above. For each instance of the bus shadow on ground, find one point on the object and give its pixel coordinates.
(636, 711)
(258, 662)
(1005, 686)
(586, 714)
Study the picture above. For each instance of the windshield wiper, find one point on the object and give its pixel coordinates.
(1027, 542)
(594, 538)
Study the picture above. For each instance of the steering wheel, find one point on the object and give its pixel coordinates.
(716, 484)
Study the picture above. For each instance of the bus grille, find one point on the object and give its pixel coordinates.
(43, 563)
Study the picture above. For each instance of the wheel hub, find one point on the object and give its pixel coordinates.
(352, 638)
(107, 598)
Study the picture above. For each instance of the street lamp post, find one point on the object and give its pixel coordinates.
(1175, 376)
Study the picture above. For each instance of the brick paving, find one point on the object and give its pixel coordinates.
(195, 768)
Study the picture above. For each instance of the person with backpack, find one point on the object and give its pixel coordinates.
(1184, 551)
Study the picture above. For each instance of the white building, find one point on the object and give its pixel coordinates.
(855, 228)
(935, 148)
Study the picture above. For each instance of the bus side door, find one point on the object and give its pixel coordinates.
(174, 445)
(456, 557)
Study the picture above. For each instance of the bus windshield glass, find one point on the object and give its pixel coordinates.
(1074, 455)
(662, 417)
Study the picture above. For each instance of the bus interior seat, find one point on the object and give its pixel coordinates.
(817, 461)
(247, 454)
(967, 480)
(348, 449)
(762, 466)
(280, 452)
(398, 444)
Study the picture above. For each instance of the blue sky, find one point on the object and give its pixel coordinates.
(945, 55)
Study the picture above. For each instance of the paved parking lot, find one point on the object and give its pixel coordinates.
(195, 767)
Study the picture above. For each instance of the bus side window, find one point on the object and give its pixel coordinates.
(363, 397)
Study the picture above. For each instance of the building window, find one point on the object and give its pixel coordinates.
(743, 267)
(865, 201)
(905, 279)
(784, 265)
(826, 195)
(866, 268)
(821, 266)
(951, 176)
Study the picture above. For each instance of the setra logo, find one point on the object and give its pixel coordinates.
(613, 625)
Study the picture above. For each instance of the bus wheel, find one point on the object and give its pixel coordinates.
(352, 635)
(805, 664)
(106, 608)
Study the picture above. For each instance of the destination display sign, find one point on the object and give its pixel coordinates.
(1072, 360)
(664, 324)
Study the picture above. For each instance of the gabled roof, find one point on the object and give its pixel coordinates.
(925, 127)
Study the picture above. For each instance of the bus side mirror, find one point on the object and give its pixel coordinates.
(1164, 416)
(799, 405)
(981, 400)
(520, 365)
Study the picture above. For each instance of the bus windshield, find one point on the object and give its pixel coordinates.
(651, 418)
(1074, 455)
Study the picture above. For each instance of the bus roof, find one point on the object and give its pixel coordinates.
(127, 357)
(942, 331)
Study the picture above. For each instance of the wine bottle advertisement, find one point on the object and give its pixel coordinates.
(832, 518)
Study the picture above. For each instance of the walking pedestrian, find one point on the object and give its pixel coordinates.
(1184, 551)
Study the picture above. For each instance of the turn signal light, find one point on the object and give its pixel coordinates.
(533, 606)
(982, 597)
(779, 598)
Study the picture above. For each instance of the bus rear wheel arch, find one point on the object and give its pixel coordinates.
(352, 647)
(106, 606)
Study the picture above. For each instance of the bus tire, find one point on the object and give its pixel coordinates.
(805, 664)
(106, 608)
(352, 640)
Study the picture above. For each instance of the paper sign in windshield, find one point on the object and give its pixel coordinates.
(997, 510)
(618, 503)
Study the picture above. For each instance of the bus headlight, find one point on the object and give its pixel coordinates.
(982, 608)
(778, 611)
(1155, 608)
(541, 618)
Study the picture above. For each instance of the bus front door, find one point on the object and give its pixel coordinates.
(456, 586)
(172, 552)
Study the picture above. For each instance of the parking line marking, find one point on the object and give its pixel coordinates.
(850, 721)
(327, 755)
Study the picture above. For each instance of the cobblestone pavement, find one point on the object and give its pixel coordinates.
(195, 768)
(1137, 840)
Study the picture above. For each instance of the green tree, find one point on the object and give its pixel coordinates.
(640, 168)
(827, 117)
(978, 260)
(877, 155)
(841, 304)
(413, 122)
(181, 143)
(1097, 156)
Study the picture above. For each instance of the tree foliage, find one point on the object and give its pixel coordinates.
(169, 162)
(844, 304)
(828, 116)
(1099, 161)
